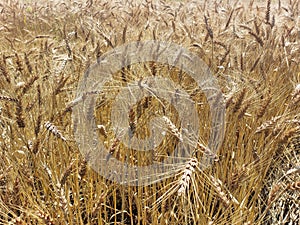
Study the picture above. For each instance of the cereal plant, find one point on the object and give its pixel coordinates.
(49, 48)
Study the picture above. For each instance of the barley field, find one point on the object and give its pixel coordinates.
(252, 49)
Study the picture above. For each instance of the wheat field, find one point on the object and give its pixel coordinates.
(253, 51)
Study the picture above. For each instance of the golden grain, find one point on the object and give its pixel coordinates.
(45, 49)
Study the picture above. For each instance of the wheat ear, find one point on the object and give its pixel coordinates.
(66, 173)
(267, 17)
(173, 128)
(270, 124)
(19, 115)
(208, 28)
(273, 193)
(45, 217)
(239, 100)
(264, 106)
(296, 95)
(187, 176)
(225, 197)
(53, 129)
(9, 99)
(295, 186)
(4, 72)
(257, 38)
